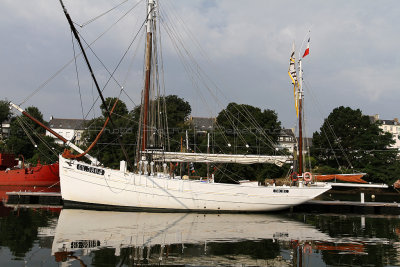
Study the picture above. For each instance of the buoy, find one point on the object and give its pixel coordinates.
(307, 176)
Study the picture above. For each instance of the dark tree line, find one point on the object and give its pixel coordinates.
(347, 142)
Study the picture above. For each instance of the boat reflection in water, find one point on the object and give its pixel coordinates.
(155, 237)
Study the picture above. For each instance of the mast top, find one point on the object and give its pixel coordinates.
(150, 15)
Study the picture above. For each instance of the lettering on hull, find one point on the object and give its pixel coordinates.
(281, 191)
(90, 169)
(85, 244)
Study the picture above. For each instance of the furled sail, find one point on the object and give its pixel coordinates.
(217, 158)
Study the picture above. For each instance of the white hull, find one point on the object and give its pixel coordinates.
(83, 185)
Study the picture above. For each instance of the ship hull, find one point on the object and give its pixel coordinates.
(86, 186)
(41, 175)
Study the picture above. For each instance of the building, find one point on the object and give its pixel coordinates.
(287, 140)
(67, 128)
(202, 124)
(389, 126)
(5, 128)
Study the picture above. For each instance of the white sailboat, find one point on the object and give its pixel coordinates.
(151, 187)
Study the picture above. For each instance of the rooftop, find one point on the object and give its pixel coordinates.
(76, 124)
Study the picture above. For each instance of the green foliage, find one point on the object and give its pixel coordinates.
(5, 113)
(235, 126)
(178, 110)
(364, 144)
(19, 230)
(126, 126)
(123, 126)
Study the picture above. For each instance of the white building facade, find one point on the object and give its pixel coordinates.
(389, 126)
(67, 128)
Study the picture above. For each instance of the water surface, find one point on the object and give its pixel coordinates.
(54, 237)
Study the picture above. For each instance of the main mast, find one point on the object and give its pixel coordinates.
(146, 93)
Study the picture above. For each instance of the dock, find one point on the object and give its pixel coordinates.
(313, 206)
(342, 207)
(31, 198)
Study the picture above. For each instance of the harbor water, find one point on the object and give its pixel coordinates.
(62, 237)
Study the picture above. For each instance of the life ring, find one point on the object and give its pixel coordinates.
(294, 176)
(307, 248)
(307, 177)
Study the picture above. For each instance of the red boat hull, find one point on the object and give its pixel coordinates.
(41, 175)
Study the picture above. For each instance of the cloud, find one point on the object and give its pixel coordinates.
(353, 59)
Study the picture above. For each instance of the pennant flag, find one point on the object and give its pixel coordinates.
(293, 76)
(307, 49)
(292, 67)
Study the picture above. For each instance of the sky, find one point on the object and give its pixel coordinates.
(242, 47)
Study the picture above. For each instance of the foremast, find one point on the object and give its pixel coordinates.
(300, 107)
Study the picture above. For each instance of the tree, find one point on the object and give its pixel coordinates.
(247, 129)
(123, 127)
(244, 129)
(174, 112)
(348, 139)
(177, 112)
(126, 125)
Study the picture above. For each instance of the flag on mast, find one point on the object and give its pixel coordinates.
(307, 49)
(293, 76)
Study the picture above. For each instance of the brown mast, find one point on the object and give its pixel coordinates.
(146, 94)
(300, 137)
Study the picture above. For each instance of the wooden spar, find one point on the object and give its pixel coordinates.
(146, 95)
(76, 35)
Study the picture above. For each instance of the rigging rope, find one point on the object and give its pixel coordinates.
(200, 74)
(102, 14)
(72, 60)
(22, 122)
(330, 129)
(115, 69)
(77, 75)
